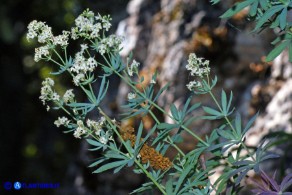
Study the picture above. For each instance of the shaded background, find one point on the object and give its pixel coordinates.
(162, 33)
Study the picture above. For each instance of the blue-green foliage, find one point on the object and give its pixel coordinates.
(267, 14)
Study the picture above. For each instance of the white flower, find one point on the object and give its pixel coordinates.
(78, 78)
(83, 23)
(102, 120)
(91, 64)
(98, 132)
(74, 33)
(80, 123)
(61, 39)
(103, 140)
(95, 30)
(102, 48)
(83, 65)
(83, 47)
(106, 25)
(45, 35)
(32, 30)
(89, 26)
(152, 81)
(133, 67)
(40, 52)
(55, 97)
(62, 121)
(68, 96)
(198, 66)
(80, 130)
(47, 92)
(194, 84)
(131, 96)
(96, 125)
(40, 30)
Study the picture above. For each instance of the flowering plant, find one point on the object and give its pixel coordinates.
(223, 151)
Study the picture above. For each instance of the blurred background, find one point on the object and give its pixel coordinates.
(161, 34)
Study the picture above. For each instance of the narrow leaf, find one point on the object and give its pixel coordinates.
(236, 8)
(277, 50)
(111, 165)
(212, 111)
(283, 19)
(267, 15)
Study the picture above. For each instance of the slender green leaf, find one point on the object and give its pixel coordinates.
(264, 4)
(277, 50)
(254, 8)
(224, 102)
(110, 165)
(116, 170)
(238, 125)
(290, 52)
(236, 8)
(182, 177)
(226, 134)
(138, 137)
(250, 122)
(93, 142)
(267, 15)
(174, 112)
(229, 102)
(169, 187)
(283, 19)
(97, 162)
(212, 111)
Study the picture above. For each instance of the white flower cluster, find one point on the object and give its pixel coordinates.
(68, 96)
(112, 42)
(80, 130)
(62, 121)
(193, 85)
(131, 96)
(40, 52)
(40, 30)
(82, 65)
(47, 93)
(89, 26)
(44, 34)
(61, 39)
(96, 125)
(198, 66)
(133, 67)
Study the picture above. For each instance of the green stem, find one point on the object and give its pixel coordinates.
(155, 105)
(150, 177)
(129, 151)
(56, 62)
(65, 110)
(230, 124)
(65, 51)
(59, 56)
(168, 137)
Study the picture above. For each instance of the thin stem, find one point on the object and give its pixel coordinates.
(150, 177)
(230, 124)
(65, 110)
(129, 151)
(59, 56)
(65, 51)
(50, 59)
(157, 106)
(168, 137)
